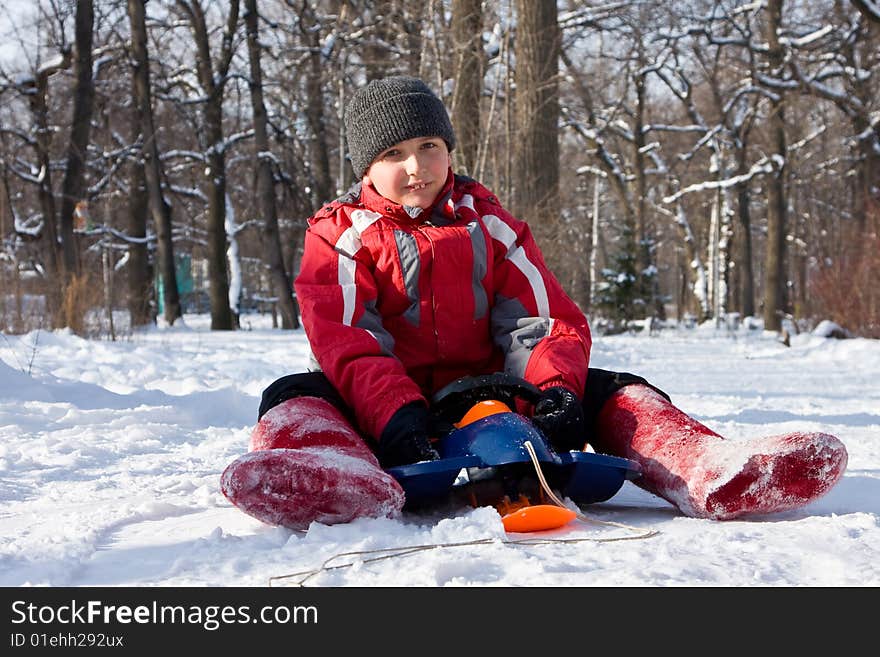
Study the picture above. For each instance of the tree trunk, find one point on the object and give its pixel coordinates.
(51, 260)
(698, 278)
(213, 83)
(139, 279)
(774, 283)
(745, 270)
(413, 18)
(638, 155)
(318, 147)
(647, 284)
(222, 318)
(73, 184)
(867, 179)
(376, 54)
(868, 201)
(281, 283)
(159, 209)
(536, 155)
(467, 29)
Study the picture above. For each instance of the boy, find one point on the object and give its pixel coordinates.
(418, 277)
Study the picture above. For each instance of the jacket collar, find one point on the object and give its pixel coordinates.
(440, 213)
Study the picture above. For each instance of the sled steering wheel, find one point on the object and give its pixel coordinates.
(455, 399)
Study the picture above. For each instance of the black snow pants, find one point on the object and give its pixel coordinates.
(601, 384)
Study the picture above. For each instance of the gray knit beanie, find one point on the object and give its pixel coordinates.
(389, 111)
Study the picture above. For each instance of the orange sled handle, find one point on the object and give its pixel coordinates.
(537, 518)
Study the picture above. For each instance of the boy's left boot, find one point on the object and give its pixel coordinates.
(308, 464)
(706, 476)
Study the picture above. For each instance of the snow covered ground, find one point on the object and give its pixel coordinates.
(111, 453)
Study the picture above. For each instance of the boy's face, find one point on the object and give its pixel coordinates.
(411, 172)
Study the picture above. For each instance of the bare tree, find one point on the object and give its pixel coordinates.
(614, 120)
(212, 76)
(35, 89)
(73, 184)
(840, 62)
(647, 289)
(152, 164)
(378, 46)
(412, 19)
(310, 30)
(467, 32)
(265, 179)
(774, 263)
(536, 159)
(139, 283)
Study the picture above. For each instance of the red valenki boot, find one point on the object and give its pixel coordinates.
(706, 476)
(307, 464)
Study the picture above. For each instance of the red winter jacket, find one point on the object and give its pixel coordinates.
(395, 306)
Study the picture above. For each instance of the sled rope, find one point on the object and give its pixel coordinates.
(642, 533)
(405, 551)
(382, 554)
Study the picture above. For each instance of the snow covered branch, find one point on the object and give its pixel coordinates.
(31, 226)
(764, 166)
(660, 127)
(192, 192)
(808, 39)
(869, 8)
(190, 155)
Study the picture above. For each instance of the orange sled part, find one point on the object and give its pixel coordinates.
(482, 409)
(537, 518)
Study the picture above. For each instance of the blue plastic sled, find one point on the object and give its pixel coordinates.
(487, 460)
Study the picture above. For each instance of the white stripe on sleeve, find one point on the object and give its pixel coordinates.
(348, 244)
(500, 231)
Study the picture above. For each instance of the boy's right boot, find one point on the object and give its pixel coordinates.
(703, 474)
(308, 464)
